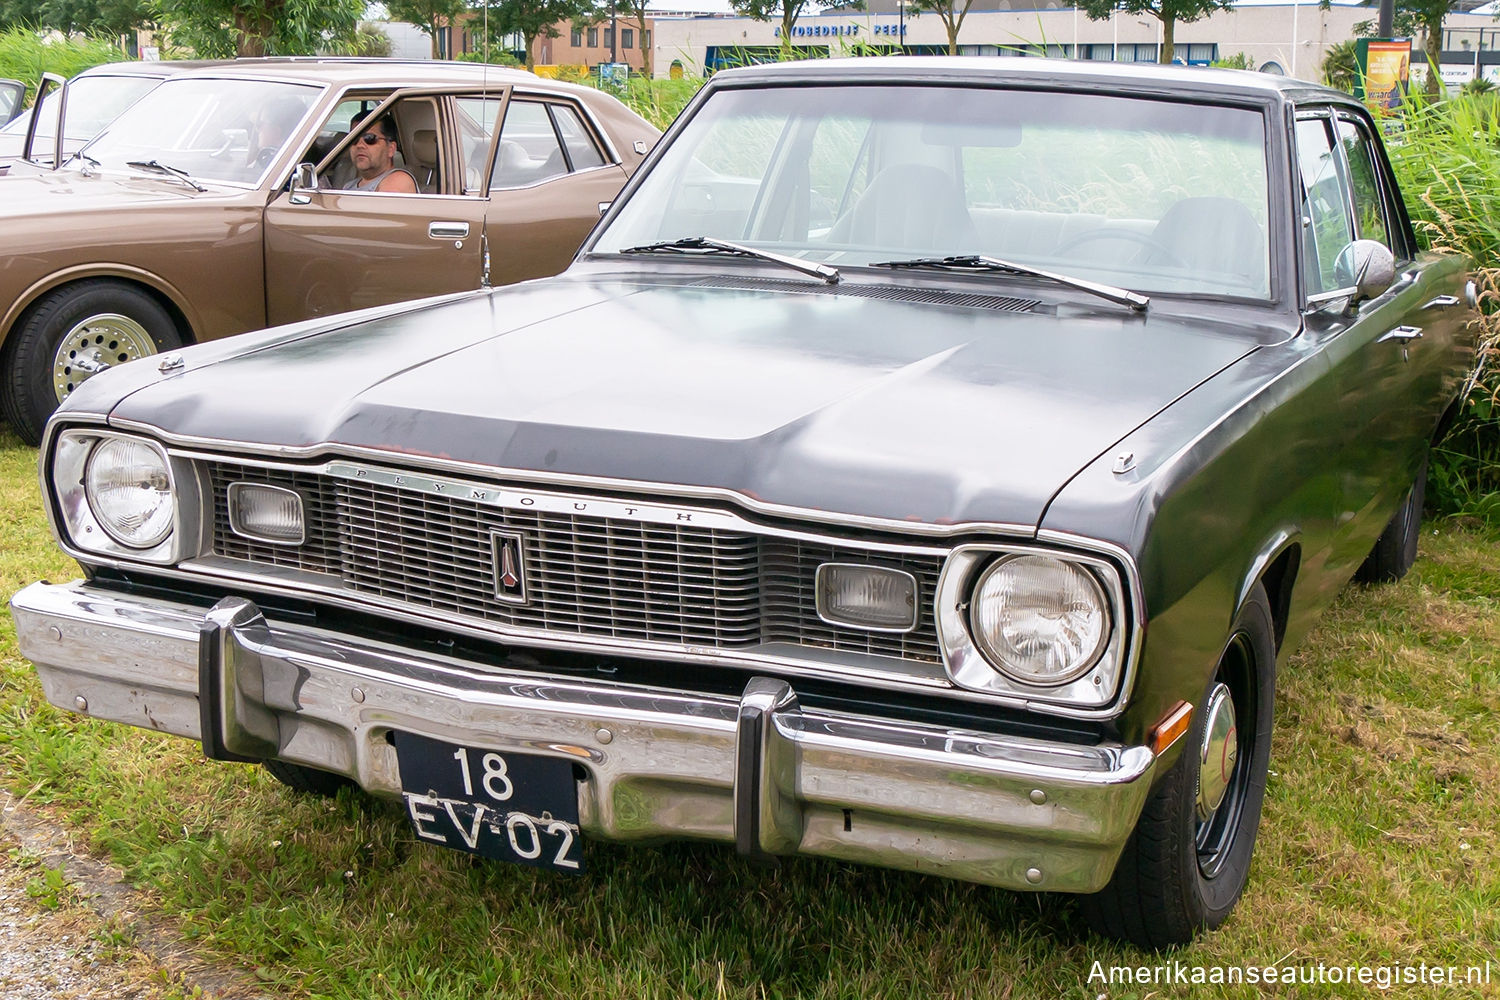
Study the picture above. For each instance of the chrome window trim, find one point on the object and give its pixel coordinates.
(916, 590)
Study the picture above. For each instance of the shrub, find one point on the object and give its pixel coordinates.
(1447, 157)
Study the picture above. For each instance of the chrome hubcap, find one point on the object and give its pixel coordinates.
(97, 343)
(1219, 752)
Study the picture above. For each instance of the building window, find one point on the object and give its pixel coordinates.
(646, 39)
(576, 38)
(593, 38)
(627, 38)
(609, 38)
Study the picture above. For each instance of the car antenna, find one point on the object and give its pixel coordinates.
(484, 101)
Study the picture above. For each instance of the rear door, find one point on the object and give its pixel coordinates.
(344, 249)
(550, 174)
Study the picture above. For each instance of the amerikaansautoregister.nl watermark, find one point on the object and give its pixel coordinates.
(1379, 977)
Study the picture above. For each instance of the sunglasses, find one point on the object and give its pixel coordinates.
(371, 138)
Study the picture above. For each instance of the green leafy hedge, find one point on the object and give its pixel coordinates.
(1447, 157)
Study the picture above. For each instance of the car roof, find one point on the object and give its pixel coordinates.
(1103, 75)
(143, 67)
(376, 72)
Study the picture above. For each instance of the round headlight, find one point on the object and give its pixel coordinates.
(129, 491)
(1040, 620)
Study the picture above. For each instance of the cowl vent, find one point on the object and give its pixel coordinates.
(892, 293)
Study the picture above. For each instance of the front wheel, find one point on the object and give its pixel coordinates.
(307, 780)
(72, 334)
(1188, 860)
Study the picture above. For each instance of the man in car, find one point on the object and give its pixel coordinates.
(374, 157)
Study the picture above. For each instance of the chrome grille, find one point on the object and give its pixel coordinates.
(586, 575)
(681, 584)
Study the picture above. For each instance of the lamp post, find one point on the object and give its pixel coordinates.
(612, 33)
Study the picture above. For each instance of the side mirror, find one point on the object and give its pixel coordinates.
(1367, 267)
(304, 182)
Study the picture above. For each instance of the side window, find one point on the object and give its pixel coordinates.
(476, 124)
(1325, 216)
(529, 148)
(581, 149)
(1364, 182)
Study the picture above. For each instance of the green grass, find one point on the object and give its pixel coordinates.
(1378, 846)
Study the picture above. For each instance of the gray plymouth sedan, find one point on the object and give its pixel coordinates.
(925, 463)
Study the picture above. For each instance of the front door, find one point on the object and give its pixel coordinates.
(348, 249)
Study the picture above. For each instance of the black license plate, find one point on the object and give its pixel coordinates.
(507, 806)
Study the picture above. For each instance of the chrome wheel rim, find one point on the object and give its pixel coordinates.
(1225, 756)
(1217, 756)
(97, 343)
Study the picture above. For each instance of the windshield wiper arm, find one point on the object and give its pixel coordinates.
(160, 167)
(979, 262)
(88, 161)
(705, 244)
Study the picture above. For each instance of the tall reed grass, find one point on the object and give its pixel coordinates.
(25, 55)
(1447, 157)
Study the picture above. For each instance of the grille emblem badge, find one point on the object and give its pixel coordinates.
(508, 551)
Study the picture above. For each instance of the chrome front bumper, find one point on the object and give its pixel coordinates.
(759, 771)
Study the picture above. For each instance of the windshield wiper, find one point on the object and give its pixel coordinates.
(160, 167)
(88, 161)
(704, 244)
(979, 262)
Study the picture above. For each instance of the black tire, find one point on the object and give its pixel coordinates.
(1180, 874)
(127, 323)
(307, 779)
(1396, 548)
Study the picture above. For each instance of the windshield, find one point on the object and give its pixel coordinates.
(226, 130)
(1145, 194)
(93, 102)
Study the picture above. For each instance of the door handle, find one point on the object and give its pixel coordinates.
(1441, 302)
(448, 230)
(1402, 333)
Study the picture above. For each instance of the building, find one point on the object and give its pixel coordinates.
(1278, 37)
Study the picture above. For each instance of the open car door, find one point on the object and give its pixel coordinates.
(329, 249)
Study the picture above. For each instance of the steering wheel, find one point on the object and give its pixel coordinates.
(1129, 236)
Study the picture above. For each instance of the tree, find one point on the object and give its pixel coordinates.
(1428, 15)
(429, 15)
(1341, 66)
(77, 17)
(1168, 12)
(787, 11)
(533, 19)
(219, 29)
(636, 10)
(949, 13)
(94, 17)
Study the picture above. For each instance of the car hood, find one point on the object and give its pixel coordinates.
(827, 400)
(28, 191)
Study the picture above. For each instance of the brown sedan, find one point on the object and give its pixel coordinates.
(218, 204)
